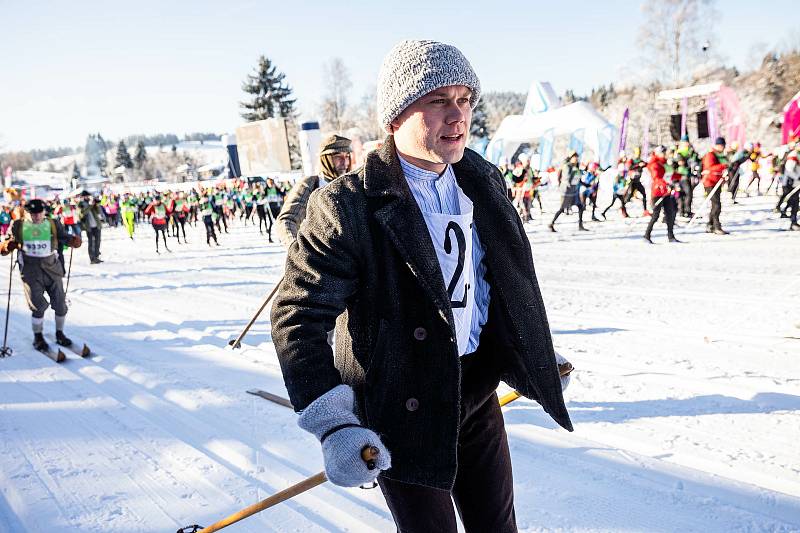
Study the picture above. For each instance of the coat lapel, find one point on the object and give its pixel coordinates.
(493, 215)
(403, 222)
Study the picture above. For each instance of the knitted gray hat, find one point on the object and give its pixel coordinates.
(412, 69)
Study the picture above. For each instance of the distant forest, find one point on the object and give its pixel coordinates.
(25, 159)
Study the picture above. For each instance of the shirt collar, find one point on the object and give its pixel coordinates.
(414, 172)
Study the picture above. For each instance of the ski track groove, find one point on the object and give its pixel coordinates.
(168, 424)
(652, 482)
(124, 377)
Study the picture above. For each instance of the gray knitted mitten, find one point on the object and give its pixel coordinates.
(330, 418)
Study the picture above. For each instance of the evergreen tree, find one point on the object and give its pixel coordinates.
(123, 157)
(271, 97)
(141, 155)
(76, 173)
(102, 161)
(479, 127)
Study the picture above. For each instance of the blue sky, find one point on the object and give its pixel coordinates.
(70, 68)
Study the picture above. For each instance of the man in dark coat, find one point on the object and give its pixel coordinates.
(334, 160)
(422, 264)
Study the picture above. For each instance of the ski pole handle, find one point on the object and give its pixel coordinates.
(369, 454)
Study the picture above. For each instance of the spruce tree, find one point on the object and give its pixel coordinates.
(102, 162)
(141, 155)
(479, 127)
(76, 173)
(123, 157)
(271, 97)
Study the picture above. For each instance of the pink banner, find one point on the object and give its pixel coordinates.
(791, 122)
(623, 130)
(712, 118)
(733, 126)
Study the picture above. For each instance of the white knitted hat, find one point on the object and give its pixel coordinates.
(413, 69)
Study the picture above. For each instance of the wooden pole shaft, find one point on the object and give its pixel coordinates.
(275, 499)
(238, 340)
(368, 455)
(707, 199)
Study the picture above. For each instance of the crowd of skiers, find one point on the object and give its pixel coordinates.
(168, 212)
(675, 173)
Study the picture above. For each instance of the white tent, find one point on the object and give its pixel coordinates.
(579, 119)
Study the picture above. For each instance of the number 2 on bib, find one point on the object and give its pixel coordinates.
(462, 246)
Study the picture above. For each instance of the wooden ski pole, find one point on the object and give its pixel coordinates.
(368, 454)
(563, 370)
(707, 199)
(237, 343)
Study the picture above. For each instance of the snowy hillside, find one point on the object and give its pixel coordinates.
(686, 397)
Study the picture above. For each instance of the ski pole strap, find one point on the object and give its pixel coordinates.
(334, 429)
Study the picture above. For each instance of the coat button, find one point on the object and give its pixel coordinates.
(412, 404)
(420, 334)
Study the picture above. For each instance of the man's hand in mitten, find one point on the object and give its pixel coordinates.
(330, 418)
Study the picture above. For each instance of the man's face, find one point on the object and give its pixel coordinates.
(719, 147)
(341, 163)
(37, 217)
(432, 132)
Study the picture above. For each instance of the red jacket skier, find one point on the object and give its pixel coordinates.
(714, 164)
(659, 186)
(158, 212)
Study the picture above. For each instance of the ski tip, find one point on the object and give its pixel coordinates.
(60, 357)
(86, 352)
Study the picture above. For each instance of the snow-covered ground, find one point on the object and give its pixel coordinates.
(686, 397)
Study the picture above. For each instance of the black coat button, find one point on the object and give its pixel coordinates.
(420, 334)
(412, 404)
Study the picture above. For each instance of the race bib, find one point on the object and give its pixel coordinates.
(451, 236)
(37, 239)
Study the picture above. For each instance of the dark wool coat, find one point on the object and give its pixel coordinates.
(364, 255)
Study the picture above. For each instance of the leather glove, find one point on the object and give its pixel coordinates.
(6, 247)
(75, 241)
(330, 418)
(564, 370)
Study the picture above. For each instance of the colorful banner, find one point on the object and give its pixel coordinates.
(733, 125)
(605, 146)
(712, 118)
(623, 130)
(791, 121)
